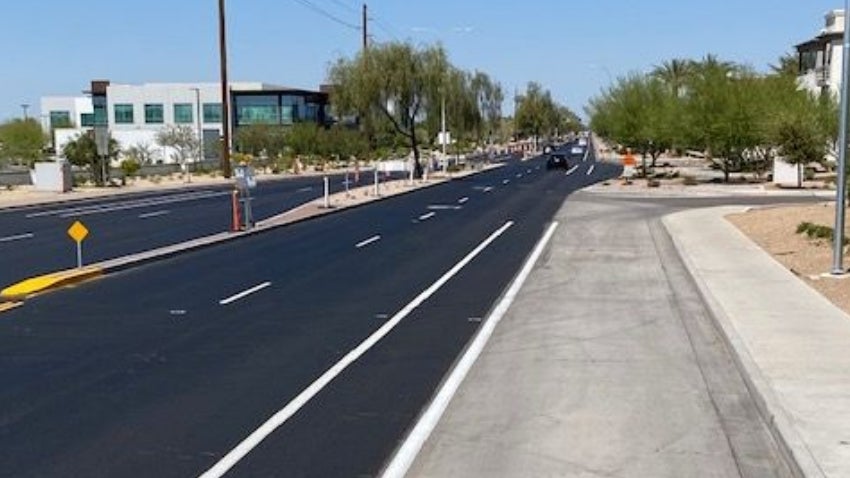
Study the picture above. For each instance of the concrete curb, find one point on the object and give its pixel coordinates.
(56, 280)
(47, 282)
(794, 450)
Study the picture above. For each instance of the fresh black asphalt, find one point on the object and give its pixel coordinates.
(144, 374)
(134, 223)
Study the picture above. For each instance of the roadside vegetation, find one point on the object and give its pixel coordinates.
(738, 119)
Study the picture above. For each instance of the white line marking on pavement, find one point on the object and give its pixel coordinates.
(427, 216)
(257, 436)
(244, 293)
(586, 152)
(463, 200)
(375, 238)
(488, 189)
(444, 207)
(406, 454)
(519, 175)
(121, 206)
(590, 169)
(18, 237)
(153, 214)
(528, 172)
(572, 170)
(506, 181)
(304, 190)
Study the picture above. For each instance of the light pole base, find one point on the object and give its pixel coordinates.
(840, 275)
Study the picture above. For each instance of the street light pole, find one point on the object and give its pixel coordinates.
(225, 93)
(841, 176)
(25, 107)
(199, 125)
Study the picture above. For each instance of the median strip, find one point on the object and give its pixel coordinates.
(46, 282)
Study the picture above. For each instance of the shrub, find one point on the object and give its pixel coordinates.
(130, 167)
(817, 231)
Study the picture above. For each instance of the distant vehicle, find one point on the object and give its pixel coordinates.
(582, 141)
(557, 161)
(577, 150)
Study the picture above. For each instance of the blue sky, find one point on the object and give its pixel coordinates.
(55, 47)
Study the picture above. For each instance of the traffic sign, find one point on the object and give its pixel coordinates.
(78, 231)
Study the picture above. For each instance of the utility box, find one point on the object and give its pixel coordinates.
(785, 174)
(53, 177)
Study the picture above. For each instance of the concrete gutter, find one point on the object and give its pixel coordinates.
(311, 210)
(791, 344)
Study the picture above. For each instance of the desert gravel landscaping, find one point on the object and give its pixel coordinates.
(774, 229)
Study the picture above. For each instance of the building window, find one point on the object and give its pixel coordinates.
(99, 103)
(256, 109)
(60, 119)
(123, 113)
(154, 114)
(212, 112)
(87, 120)
(183, 113)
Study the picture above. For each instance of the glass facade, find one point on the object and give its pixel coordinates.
(183, 113)
(154, 114)
(257, 109)
(87, 120)
(212, 112)
(101, 118)
(123, 113)
(60, 119)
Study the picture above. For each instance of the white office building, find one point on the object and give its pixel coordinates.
(134, 114)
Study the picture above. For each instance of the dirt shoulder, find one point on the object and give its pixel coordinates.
(774, 229)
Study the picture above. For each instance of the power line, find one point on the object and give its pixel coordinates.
(327, 14)
(345, 6)
(385, 27)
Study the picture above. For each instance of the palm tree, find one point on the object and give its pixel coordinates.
(712, 64)
(674, 73)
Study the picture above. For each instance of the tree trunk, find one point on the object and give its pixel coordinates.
(799, 176)
(417, 166)
(726, 171)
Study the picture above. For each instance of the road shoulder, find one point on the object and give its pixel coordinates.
(792, 344)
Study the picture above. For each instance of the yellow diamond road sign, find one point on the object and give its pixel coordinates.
(78, 231)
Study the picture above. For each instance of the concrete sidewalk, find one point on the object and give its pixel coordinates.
(792, 342)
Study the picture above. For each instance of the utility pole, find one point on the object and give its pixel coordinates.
(365, 28)
(225, 93)
(199, 125)
(841, 177)
(25, 107)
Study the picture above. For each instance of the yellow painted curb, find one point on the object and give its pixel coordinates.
(35, 285)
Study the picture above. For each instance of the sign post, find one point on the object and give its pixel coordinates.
(78, 233)
(245, 182)
(101, 140)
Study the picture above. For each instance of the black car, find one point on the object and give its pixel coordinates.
(557, 161)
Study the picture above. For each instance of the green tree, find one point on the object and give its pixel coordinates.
(674, 73)
(536, 112)
(182, 139)
(21, 141)
(398, 80)
(140, 153)
(787, 65)
(82, 151)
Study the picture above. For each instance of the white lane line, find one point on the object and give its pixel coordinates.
(153, 214)
(586, 152)
(121, 206)
(590, 169)
(506, 181)
(463, 200)
(528, 172)
(257, 436)
(304, 190)
(427, 216)
(244, 293)
(572, 170)
(413, 443)
(18, 237)
(375, 238)
(488, 189)
(519, 175)
(444, 207)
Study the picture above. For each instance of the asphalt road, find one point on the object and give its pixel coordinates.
(33, 240)
(162, 370)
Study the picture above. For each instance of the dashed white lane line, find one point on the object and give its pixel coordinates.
(17, 237)
(528, 172)
(590, 169)
(148, 215)
(463, 200)
(519, 175)
(427, 216)
(244, 293)
(488, 189)
(375, 238)
(506, 181)
(444, 207)
(284, 414)
(572, 170)
(305, 190)
(412, 444)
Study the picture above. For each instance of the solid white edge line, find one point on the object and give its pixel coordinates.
(406, 454)
(18, 237)
(425, 217)
(375, 238)
(269, 426)
(590, 169)
(244, 293)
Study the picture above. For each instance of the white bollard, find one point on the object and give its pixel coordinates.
(377, 192)
(327, 194)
